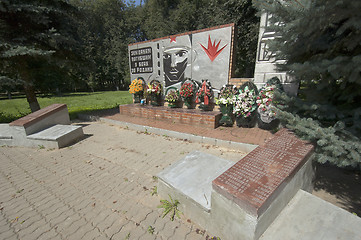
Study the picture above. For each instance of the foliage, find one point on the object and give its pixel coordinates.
(170, 207)
(245, 102)
(227, 95)
(167, 17)
(136, 86)
(151, 230)
(321, 43)
(154, 191)
(187, 90)
(106, 28)
(37, 39)
(76, 103)
(172, 96)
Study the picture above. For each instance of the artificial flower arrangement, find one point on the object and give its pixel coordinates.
(245, 102)
(205, 93)
(154, 92)
(187, 90)
(136, 87)
(226, 95)
(266, 104)
(172, 96)
(265, 101)
(154, 88)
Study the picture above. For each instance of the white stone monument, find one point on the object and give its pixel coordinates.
(265, 67)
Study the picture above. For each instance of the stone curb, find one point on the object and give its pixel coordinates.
(245, 147)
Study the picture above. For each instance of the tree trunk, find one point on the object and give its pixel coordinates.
(31, 97)
(9, 94)
(28, 86)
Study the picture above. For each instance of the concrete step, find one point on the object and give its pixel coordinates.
(190, 181)
(5, 132)
(308, 217)
(57, 136)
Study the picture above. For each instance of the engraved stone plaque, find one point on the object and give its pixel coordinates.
(252, 180)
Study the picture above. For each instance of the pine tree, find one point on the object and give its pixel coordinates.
(34, 32)
(321, 43)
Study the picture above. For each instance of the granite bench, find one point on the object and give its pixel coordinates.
(49, 127)
(43, 118)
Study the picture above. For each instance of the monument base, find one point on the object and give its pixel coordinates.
(209, 119)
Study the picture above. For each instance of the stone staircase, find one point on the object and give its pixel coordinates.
(49, 127)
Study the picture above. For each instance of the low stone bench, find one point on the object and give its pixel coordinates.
(43, 118)
(49, 127)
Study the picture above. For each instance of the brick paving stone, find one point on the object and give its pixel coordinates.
(23, 222)
(108, 221)
(8, 235)
(115, 227)
(125, 231)
(194, 235)
(169, 228)
(181, 231)
(51, 234)
(148, 236)
(99, 188)
(81, 232)
(39, 228)
(91, 235)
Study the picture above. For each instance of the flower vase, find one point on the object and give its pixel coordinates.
(189, 103)
(155, 100)
(247, 122)
(174, 104)
(205, 107)
(137, 97)
(267, 123)
(226, 119)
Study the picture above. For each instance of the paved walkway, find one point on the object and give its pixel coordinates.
(99, 188)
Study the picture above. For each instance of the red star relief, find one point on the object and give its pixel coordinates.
(173, 39)
(212, 48)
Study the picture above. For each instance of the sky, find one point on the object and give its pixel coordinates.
(137, 2)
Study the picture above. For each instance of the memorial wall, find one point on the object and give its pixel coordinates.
(201, 54)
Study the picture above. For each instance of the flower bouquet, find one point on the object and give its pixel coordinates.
(173, 97)
(266, 113)
(137, 89)
(204, 96)
(187, 92)
(245, 106)
(225, 100)
(154, 90)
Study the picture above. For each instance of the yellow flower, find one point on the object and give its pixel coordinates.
(136, 86)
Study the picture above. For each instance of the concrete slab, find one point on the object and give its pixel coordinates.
(193, 176)
(57, 136)
(54, 132)
(5, 132)
(308, 217)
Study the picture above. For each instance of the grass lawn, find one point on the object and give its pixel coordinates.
(11, 109)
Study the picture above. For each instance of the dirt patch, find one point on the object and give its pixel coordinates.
(341, 187)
